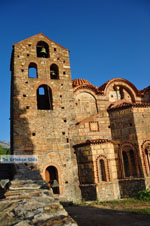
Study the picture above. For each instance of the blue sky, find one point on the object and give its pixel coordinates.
(106, 39)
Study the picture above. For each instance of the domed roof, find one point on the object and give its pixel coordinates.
(80, 82)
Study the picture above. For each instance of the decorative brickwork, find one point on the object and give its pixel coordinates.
(93, 141)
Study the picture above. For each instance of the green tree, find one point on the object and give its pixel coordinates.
(4, 151)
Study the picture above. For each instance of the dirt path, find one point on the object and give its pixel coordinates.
(93, 216)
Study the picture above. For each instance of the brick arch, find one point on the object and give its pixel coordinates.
(106, 165)
(42, 82)
(86, 88)
(126, 85)
(87, 105)
(25, 67)
(127, 147)
(60, 173)
(143, 147)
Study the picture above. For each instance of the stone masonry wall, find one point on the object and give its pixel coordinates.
(44, 132)
(88, 157)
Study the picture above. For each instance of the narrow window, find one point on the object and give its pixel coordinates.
(133, 164)
(44, 98)
(32, 70)
(54, 71)
(42, 49)
(102, 170)
(126, 164)
(147, 155)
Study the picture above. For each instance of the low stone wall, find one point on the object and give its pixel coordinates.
(147, 183)
(108, 191)
(88, 192)
(130, 187)
(104, 191)
(30, 202)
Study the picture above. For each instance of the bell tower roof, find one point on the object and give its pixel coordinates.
(43, 37)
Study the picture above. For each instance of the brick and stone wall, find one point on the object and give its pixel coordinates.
(81, 124)
(44, 132)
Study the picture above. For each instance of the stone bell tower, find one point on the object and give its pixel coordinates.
(42, 111)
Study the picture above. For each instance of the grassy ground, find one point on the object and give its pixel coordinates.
(129, 205)
(125, 212)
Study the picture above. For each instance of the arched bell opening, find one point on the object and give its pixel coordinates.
(42, 49)
(51, 177)
(54, 71)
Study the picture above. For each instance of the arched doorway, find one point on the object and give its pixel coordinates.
(51, 177)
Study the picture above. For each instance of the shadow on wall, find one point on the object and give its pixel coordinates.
(21, 144)
(129, 165)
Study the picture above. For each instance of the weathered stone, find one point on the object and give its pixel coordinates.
(82, 135)
(4, 183)
(31, 206)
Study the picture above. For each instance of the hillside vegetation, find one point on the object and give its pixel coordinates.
(4, 151)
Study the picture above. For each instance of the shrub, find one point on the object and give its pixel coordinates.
(4, 151)
(143, 195)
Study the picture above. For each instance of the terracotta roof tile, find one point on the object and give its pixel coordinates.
(80, 82)
(95, 141)
(127, 105)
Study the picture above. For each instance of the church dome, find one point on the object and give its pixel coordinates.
(80, 82)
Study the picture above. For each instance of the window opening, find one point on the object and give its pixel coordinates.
(133, 165)
(44, 98)
(147, 153)
(126, 164)
(42, 49)
(102, 170)
(54, 71)
(41, 91)
(32, 70)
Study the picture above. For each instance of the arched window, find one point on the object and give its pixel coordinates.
(44, 98)
(147, 157)
(130, 167)
(54, 71)
(32, 70)
(126, 164)
(42, 49)
(102, 171)
(133, 164)
(51, 176)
